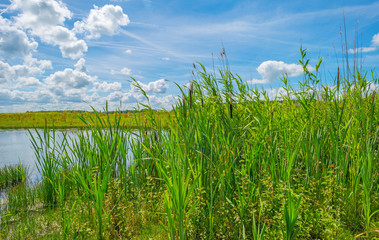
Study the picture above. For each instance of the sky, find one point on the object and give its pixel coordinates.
(71, 55)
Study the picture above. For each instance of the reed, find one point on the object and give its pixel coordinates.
(13, 175)
(230, 162)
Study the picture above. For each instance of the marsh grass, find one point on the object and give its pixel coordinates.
(12, 175)
(229, 163)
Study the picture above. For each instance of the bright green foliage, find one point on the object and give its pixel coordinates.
(12, 175)
(218, 166)
(291, 213)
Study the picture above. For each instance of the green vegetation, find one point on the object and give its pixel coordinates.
(69, 119)
(231, 164)
(12, 175)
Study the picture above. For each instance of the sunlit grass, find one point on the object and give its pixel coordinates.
(230, 163)
(68, 119)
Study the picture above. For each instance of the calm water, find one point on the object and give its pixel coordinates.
(15, 146)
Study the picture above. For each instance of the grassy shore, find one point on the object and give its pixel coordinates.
(231, 164)
(68, 119)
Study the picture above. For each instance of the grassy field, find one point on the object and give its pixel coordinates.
(231, 164)
(67, 119)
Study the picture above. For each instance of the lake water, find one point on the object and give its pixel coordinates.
(15, 146)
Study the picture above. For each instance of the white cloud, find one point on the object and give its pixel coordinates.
(108, 87)
(363, 50)
(29, 81)
(73, 95)
(159, 86)
(131, 99)
(165, 102)
(125, 71)
(273, 93)
(115, 96)
(128, 51)
(22, 73)
(45, 19)
(40, 13)
(70, 78)
(272, 70)
(14, 41)
(374, 46)
(102, 21)
(375, 40)
(79, 66)
(166, 59)
(68, 43)
(9, 97)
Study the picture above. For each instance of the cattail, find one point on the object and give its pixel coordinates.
(230, 107)
(184, 107)
(194, 66)
(373, 96)
(145, 127)
(222, 52)
(338, 77)
(190, 94)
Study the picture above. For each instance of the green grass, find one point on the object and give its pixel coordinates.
(12, 175)
(229, 164)
(68, 119)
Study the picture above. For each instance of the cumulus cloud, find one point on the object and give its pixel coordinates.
(13, 41)
(80, 65)
(69, 78)
(10, 97)
(40, 13)
(102, 21)
(165, 102)
(29, 81)
(159, 86)
(22, 73)
(115, 96)
(375, 40)
(126, 71)
(73, 95)
(272, 70)
(68, 43)
(45, 19)
(108, 87)
(71, 85)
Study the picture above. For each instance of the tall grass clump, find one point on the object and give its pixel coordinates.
(13, 175)
(229, 161)
(95, 156)
(231, 148)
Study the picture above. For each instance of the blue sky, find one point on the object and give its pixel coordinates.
(58, 55)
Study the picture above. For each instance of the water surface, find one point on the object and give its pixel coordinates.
(15, 146)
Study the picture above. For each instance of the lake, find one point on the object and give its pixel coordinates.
(15, 146)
